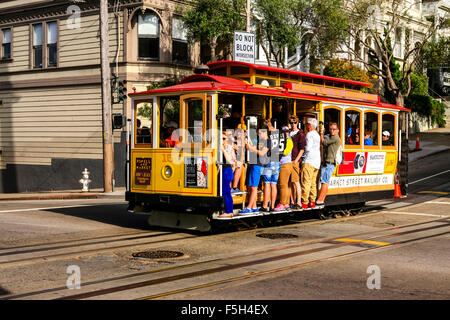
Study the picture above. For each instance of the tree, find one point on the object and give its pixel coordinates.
(318, 25)
(372, 25)
(344, 69)
(275, 28)
(214, 21)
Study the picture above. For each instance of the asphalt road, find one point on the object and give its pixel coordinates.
(399, 250)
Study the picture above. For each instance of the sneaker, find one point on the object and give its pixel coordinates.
(305, 206)
(236, 190)
(296, 207)
(264, 210)
(312, 205)
(287, 208)
(279, 207)
(245, 212)
(320, 205)
(255, 210)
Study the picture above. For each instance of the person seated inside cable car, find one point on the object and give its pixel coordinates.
(146, 136)
(171, 137)
(386, 139)
(368, 138)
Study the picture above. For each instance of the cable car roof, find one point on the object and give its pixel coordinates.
(207, 82)
(286, 72)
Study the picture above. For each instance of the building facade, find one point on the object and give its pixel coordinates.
(50, 83)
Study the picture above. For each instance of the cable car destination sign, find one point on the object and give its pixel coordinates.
(244, 47)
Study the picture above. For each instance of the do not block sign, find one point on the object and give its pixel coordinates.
(244, 47)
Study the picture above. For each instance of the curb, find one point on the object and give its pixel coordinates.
(54, 197)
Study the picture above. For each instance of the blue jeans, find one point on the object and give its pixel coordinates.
(327, 171)
(227, 177)
(271, 172)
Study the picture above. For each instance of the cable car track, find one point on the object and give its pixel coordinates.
(329, 244)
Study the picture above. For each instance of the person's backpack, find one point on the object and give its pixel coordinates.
(339, 159)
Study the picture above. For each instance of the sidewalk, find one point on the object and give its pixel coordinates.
(431, 142)
(118, 194)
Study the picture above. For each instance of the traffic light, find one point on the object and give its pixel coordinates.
(121, 90)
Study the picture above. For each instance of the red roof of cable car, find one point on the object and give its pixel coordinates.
(207, 82)
(286, 71)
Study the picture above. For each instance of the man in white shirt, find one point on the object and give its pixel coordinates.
(311, 165)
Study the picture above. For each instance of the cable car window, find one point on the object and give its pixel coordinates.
(388, 130)
(331, 115)
(169, 121)
(266, 82)
(144, 122)
(352, 130)
(148, 36)
(370, 129)
(195, 120)
(239, 70)
(219, 71)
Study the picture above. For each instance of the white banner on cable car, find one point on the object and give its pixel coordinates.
(244, 47)
(361, 181)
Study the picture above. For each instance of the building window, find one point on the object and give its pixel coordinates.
(37, 45)
(180, 48)
(52, 44)
(148, 36)
(6, 44)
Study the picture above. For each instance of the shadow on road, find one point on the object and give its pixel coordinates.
(4, 291)
(114, 214)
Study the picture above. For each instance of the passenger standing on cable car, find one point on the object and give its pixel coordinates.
(272, 170)
(332, 145)
(227, 174)
(286, 170)
(256, 169)
(311, 165)
(299, 141)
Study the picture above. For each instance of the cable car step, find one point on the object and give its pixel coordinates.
(260, 214)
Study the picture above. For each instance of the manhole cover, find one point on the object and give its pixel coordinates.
(277, 235)
(157, 254)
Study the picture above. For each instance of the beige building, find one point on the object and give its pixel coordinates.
(50, 93)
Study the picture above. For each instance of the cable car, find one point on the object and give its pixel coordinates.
(174, 159)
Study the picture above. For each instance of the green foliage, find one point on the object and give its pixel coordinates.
(214, 21)
(167, 82)
(344, 69)
(437, 53)
(419, 84)
(421, 102)
(145, 111)
(319, 25)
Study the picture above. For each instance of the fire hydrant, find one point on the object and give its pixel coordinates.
(85, 180)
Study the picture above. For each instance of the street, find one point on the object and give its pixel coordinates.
(83, 249)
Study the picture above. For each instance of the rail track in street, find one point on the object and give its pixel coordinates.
(221, 271)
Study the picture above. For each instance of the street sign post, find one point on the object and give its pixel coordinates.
(244, 47)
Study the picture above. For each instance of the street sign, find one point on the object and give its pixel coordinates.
(244, 47)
